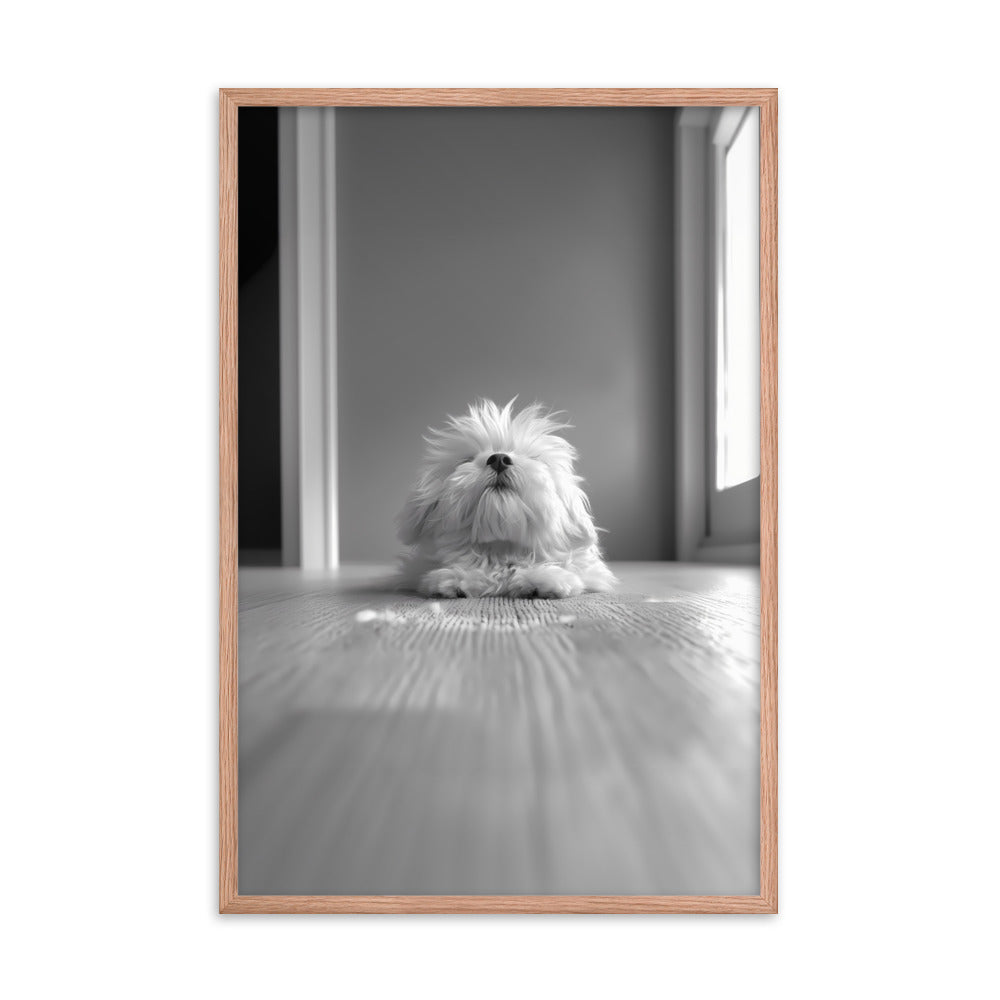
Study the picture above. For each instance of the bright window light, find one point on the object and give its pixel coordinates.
(738, 348)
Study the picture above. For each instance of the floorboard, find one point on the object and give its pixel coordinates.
(607, 744)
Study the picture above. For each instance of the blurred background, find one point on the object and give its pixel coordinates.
(398, 263)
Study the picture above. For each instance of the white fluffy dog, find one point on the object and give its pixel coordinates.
(498, 511)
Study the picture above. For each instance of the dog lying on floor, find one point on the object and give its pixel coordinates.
(498, 512)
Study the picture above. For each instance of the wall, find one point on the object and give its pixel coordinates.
(502, 252)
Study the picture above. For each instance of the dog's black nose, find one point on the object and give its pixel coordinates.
(499, 461)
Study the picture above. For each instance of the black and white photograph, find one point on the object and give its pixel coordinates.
(499, 520)
(500, 501)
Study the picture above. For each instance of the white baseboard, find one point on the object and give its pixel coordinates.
(740, 553)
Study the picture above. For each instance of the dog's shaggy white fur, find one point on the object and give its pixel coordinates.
(498, 512)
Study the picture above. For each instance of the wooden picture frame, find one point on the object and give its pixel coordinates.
(230, 100)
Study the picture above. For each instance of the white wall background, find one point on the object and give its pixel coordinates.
(492, 254)
(889, 355)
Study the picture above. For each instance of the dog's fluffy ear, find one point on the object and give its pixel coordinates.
(412, 519)
(580, 530)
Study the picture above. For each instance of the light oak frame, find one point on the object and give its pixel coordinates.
(230, 100)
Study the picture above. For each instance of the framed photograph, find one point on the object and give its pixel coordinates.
(498, 501)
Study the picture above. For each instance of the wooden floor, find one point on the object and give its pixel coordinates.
(603, 744)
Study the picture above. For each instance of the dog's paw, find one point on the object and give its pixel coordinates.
(550, 582)
(441, 583)
(451, 582)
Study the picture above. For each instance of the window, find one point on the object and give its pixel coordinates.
(718, 335)
(737, 367)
